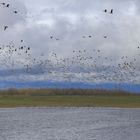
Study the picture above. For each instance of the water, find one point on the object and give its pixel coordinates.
(69, 124)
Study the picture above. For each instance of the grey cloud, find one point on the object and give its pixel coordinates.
(69, 21)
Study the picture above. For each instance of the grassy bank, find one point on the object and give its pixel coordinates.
(69, 98)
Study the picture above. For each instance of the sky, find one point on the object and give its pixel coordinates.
(88, 45)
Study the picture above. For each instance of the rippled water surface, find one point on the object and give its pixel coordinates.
(69, 124)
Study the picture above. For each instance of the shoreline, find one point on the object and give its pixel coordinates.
(66, 107)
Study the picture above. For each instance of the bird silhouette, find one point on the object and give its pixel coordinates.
(5, 27)
(15, 12)
(7, 5)
(3, 3)
(105, 10)
(111, 12)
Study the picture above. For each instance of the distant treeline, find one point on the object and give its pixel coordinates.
(49, 92)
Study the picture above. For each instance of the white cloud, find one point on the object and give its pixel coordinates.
(69, 21)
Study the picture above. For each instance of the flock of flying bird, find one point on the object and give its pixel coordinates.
(88, 65)
(7, 5)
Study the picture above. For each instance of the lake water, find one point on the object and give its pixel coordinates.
(69, 124)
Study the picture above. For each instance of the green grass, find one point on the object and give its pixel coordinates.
(127, 101)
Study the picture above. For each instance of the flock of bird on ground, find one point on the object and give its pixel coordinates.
(91, 64)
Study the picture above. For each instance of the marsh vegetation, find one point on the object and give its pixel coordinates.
(67, 97)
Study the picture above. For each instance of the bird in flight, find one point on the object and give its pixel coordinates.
(5, 27)
(3, 3)
(7, 5)
(105, 10)
(15, 12)
(111, 12)
(51, 37)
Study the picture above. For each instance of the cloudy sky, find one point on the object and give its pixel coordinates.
(71, 22)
